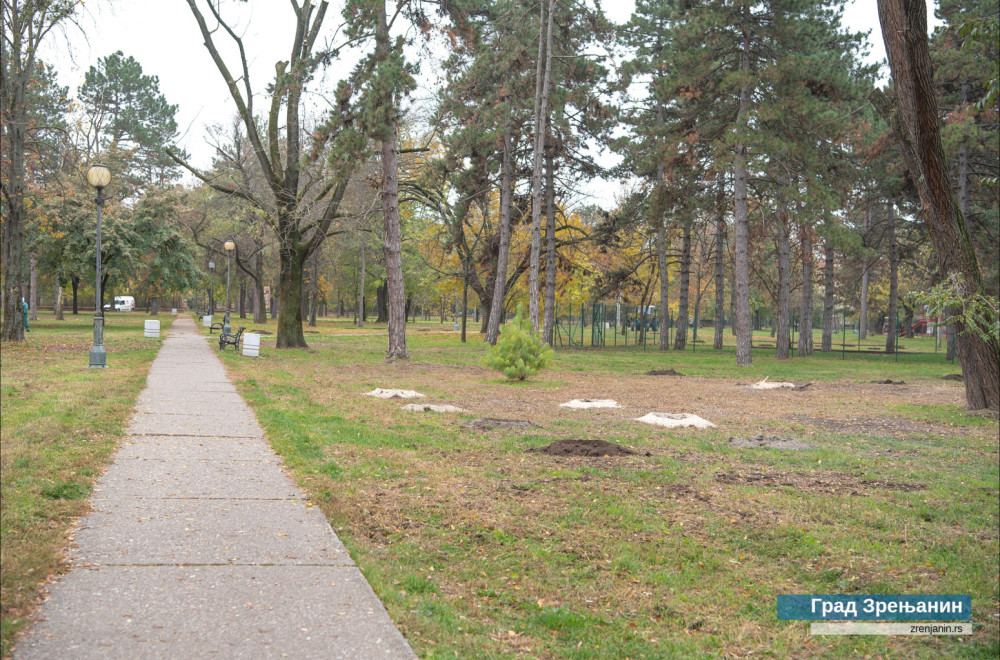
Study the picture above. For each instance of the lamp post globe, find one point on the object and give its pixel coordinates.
(230, 246)
(98, 176)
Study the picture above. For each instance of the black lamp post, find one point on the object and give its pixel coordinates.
(98, 176)
(230, 246)
(211, 291)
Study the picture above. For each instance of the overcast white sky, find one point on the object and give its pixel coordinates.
(164, 37)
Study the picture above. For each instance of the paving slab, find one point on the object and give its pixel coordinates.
(174, 478)
(215, 423)
(177, 380)
(200, 545)
(194, 448)
(165, 400)
(200, 405)
(213, 611)
(206, 531)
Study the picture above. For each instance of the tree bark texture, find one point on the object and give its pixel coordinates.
(14, 116)
(465, 304)
(866, 265)
(805, 346)
(683, 291)
(361, 287)
(782, 338)
(916, 126)
(661, 255)
(548, 325)
(741, 238)
(890, 336)
(57, 297)
(396, 349)
(260, 309)
(828, 291)
(499, 291)
(33, 287)
(289, 332)
(720, 271)
(541, 116)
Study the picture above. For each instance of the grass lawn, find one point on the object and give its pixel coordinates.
(60, 423)
(480, 548)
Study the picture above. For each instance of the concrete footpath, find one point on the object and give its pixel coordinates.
(199, 544)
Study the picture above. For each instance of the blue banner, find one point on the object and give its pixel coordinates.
(874, 608)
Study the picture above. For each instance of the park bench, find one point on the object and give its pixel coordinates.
(215, 326)
(233, 339)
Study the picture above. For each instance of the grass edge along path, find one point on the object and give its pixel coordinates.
(61, 424)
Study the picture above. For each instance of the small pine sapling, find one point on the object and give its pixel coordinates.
(519, 352)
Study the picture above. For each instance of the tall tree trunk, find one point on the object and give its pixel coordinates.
(15, 119)
(155, 305)
(550, 248)
(465, 303)
(260, 309)
(243, 298)
(75, 283)
(732, 307)
(680, 338)
(661, 250)
(541, 117)
(289, 332)
(492, 319)
(782, 337)
(741, 238)
(828, 291)
(255, 304)
(720, 273)
(33, 287)
(916, 126)
(382, 303)
(361, 288)
(390, 209)
(806, 310)
(866, 265)
(890, 337)
(57, 298)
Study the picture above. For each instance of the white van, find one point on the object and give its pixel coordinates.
(123, 304)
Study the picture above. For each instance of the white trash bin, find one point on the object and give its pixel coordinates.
(207, 320)
(251, 345)
(173, 311)
(151, 329)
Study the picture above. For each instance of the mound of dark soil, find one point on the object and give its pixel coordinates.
(770, 441)
(889, 381)
(489, 423)
(953, 377)
(582, 447)
(663, 372)
(262, 332)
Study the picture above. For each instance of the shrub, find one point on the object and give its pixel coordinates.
(519, 352)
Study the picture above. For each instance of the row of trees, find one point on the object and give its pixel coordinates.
(754, 165)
